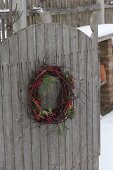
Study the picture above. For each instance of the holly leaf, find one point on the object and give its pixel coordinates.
(71, 113)
(49, 110)
(44, 113)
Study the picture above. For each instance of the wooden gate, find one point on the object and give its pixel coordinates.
(24, 145)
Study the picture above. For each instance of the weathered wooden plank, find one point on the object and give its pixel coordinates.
(2, 149)
(7, 107)
(60, 61)
(40, 42)
(59, 43)
(96, 94)
(23, 81)
(96, 90)
(4, 53)
(16, 110)
(67, 58)
(31, 43)
(95, 163)
(33, 64)
(7, 4)
(50, 45)
(82, 100)
(7, 118)
(89, 103)
(1, 4)
(41, 53)
(75, 121)
(17, 119)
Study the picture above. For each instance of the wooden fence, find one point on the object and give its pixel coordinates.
(5, 5)
(60, 3)
(25, 145)
(109, 14)
(71, 12)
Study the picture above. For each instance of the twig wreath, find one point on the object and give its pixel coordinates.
(44, 77)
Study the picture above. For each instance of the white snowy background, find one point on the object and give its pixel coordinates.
(106, 157)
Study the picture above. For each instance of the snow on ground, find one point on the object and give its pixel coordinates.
(106, 157)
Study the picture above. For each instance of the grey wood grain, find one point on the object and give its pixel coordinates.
(33, 63)
(40, 46)
(82, 100)
(96, 94)
(41, 56)
(7, 119)
(67, 59)
(50, 45)
(75, 121)
(89, 104)
(2, 148)
(23, 58)
(60, 61)
(7, 107)
(16, 103)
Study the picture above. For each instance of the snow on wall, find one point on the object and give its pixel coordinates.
(103, 30)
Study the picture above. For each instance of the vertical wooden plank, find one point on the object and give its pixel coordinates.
(40, 42)
(96, 163)
(75, 121)
(60, 61)
(89, 104)
(96, 93)
(16, 105)
(23, 81)
(31, 41)
(7, 4)
(2, 149)
(7, 108)
(41, 53)
(35, 135)
(1, 4)
(68, 138)
(59, 43)
(50, 45)
(82, 100)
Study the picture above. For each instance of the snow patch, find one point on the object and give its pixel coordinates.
(4, 10)
(38, 9)
(106, 157)
(103, 30)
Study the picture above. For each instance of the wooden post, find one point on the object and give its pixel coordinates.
(44, 17)
(101, 19)
(96, 91)
(21, 7)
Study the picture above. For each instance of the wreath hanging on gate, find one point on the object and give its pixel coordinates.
(39, 86)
